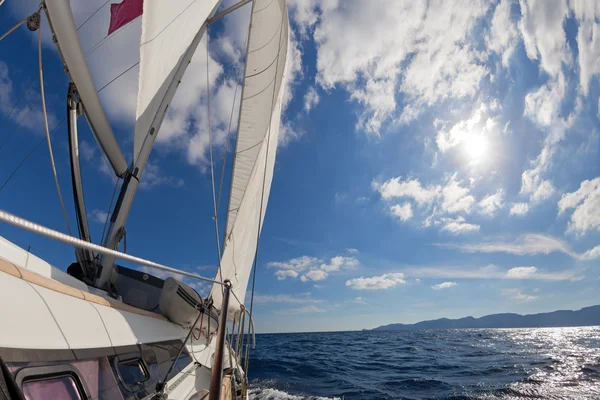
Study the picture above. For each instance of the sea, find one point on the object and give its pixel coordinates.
(541, 363)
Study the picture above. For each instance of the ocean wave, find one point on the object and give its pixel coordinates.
(274, 394)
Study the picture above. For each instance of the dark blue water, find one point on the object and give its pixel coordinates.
(547, 363)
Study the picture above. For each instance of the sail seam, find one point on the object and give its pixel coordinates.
(263, 90)
(268, 41)
(169, 24)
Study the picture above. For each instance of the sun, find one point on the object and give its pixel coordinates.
(476, 147)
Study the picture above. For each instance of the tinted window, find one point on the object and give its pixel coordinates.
(132, 371)
(61, 387)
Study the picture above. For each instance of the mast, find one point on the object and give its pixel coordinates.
(154, 97)
(68, 44)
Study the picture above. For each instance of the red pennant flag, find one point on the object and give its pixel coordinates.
(124, 12)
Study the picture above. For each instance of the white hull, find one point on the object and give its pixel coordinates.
(50, 318)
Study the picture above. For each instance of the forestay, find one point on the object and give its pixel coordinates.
(258, 131)
(168, 31)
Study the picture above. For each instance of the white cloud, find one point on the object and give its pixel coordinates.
(361, 46)
(464, 130)
(352, 251)
(492, 272)
(456, 198)
(154, 176)
(285, 298)
(541, 28)
(519, 209)
(503, 33)
(311, 268)
(521, 272)
(458, 225)
(492, 203)
(450, 199)
(586, 204)
(384, 281)
(339, 262)
(358, 300)
(528, 244)
(404, 211)
(285, 273)
(97, 216)
(588, 41)
(518, 296)
(27, 113)
(410, 188)
(444, 285)
(311, 99)
(316, 275)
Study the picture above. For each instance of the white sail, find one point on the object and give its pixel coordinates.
(168, 30)
(258, 131)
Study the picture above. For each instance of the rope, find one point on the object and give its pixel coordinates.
(29, 154)
(8, 32)
(90, 17)
(212, 167)
(60, 198)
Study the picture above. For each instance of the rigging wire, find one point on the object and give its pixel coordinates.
(18, 24)
(29, 154)
(91, 16)
(60, 198)
(212, 167)
(18, 121)
(16, 104)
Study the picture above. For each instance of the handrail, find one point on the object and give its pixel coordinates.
(61, 237)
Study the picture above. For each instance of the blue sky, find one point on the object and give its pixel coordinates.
(435, 159)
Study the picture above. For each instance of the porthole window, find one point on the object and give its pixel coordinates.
(51, 382)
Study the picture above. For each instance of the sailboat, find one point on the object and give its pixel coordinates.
(104, 331)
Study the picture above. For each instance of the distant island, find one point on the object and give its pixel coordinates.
(585, 317)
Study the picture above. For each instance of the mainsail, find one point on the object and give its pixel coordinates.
(260, 112)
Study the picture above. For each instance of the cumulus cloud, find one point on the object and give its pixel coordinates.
(444, 285)
(311, 268)
(519, 209)
(586, 204)
(384, 281)
(439, 203)
(492, 203)
(521, 272)
(403, 212)
(458, 225)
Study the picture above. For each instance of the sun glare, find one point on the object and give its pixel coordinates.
(476, 147)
